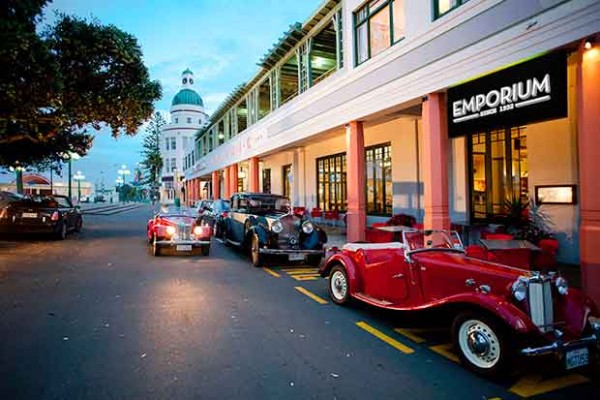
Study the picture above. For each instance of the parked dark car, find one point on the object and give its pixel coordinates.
(214, 215)
(264, 225)
(178, 229)
(39, 214)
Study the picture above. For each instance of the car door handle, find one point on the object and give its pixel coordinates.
(398, 276)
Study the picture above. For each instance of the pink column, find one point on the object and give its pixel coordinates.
(216, 185)
(588, 105)
(198, 189)
(226, 183)
(435, 162)
(356, 217)
(233, 178)
(253, 175)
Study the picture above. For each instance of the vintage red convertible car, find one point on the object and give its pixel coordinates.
(180, 230)
(499, 312)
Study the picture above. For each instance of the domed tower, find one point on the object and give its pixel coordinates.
(178, 136)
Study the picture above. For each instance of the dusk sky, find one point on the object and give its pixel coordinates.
(220, 41)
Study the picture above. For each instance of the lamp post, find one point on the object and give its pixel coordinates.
(18, 170)
(70, 156)
(123, 171)
(79, 177)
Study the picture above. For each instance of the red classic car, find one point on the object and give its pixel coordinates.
(178, 229)
(499, 311)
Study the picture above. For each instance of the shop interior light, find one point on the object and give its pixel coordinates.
(588, 44)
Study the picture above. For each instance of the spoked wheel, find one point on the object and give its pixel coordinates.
(338, 287)
(79, 224)
(257, 258)
(481, 344)
(155, 247)
(61, 233)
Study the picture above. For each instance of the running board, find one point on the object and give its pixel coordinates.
(372, 300)
(239, 244)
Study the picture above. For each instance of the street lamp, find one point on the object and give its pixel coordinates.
(70, 156)
(123, 171)
(79, 177)
(18, 170)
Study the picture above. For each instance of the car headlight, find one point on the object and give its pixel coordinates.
(308, 227)
(171, 230)
(562, 286)
(197, 230)
(519, 290)
(277, 227)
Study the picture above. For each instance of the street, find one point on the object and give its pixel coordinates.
(96, 316)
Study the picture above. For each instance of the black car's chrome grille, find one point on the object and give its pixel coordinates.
(539, 295)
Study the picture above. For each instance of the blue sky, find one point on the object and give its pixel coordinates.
(220, 41)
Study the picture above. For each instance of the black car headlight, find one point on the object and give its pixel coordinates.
(277, 227)
(308, 227)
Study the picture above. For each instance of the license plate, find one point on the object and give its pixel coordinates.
(296, 257)
(29, 215)
(184, 247)
(577, 358)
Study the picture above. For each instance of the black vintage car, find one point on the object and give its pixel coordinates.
(264, 225)
(214, 214)
(39, 214)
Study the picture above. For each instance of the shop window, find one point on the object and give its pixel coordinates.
(378, 165)
(331, 183)
(441, 7)
(240, 185)
(499, 171)
(286, 174)
(266, 180)
(378, 25)
(264, 98)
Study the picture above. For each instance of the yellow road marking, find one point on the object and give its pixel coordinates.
(445, 350)
(311, 295)
(297, 271)
(270, 271)
(408, 333)
(380, 335)
(534, 385)
(305, 278)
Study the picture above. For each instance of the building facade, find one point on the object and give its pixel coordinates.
(441, 109)
(178, 136)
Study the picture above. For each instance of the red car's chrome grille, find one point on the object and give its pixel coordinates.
(540, 303)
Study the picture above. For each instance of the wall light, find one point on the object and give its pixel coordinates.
(588, 44)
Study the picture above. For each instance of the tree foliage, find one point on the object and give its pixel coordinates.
(152, 159)
(57, 83)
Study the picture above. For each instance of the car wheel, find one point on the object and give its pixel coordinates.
(79, 224)
(313, 260)
(155, 247)
(61, 232)
(257, 258)
(339, 288)
(481, 343)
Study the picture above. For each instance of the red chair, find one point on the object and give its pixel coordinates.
(333, 216)
(299, 210)
(418, 226)
(545, 259)
(316, 212)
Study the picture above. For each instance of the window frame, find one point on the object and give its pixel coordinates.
(343, 184)
(383, 179)
(369, 14)
(435, 8)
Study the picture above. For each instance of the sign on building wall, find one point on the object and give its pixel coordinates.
(532, 91)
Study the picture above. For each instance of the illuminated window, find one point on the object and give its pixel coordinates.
(378, 165)
(331, 183)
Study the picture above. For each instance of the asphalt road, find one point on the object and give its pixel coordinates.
(96, 316)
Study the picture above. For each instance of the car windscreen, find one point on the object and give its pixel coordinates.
(268, 204)
(432, 240)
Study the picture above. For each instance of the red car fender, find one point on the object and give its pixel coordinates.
(513, 316)
(349, 265)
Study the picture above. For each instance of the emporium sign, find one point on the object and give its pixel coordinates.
(529, 92)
